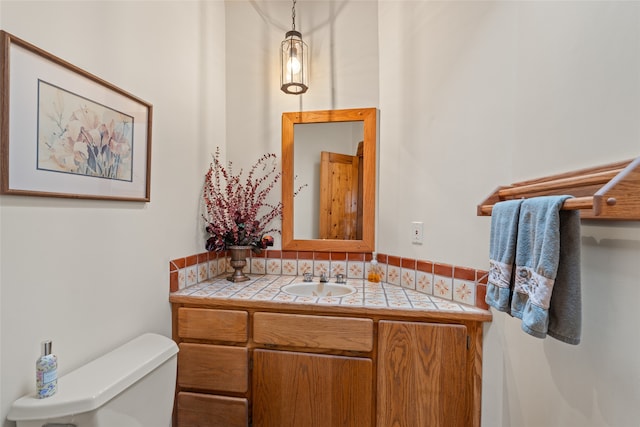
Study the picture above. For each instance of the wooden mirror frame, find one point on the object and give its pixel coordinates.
(368, 116)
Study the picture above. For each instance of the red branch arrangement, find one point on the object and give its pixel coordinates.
(237, 211)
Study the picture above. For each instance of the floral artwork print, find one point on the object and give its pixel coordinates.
(79, 136)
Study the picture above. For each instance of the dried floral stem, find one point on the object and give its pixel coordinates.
(238, 214)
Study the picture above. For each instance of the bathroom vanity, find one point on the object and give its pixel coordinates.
(252, 355)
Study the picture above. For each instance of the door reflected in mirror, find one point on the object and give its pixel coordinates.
(328, 158)
(333, 153)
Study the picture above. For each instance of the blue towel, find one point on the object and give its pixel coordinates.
(565, 310)
(502, 252)
(546, 293)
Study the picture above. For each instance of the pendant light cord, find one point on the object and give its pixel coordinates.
(293, 15)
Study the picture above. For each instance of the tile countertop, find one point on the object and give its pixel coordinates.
(264, 291)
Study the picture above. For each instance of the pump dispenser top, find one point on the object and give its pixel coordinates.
(374, 270)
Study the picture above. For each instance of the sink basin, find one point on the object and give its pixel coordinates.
(313, 289)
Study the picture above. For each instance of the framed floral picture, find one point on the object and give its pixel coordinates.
(67, 133)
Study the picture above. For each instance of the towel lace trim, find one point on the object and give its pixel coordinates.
(500, 274)
(536, 286)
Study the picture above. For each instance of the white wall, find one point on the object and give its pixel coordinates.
(343, 41)
(92, 274)
(479, 94)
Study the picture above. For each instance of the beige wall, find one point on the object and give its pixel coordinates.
(479, 94)
(472, 95)
(92, 274)
(342, 38)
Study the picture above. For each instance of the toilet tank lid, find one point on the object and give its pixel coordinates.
(94, 384)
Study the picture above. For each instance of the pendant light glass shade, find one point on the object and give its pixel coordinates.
(294, 64)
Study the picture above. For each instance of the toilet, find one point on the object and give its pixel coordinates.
(131, 386)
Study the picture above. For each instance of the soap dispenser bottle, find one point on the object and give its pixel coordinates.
(46, 372)
(374, 270)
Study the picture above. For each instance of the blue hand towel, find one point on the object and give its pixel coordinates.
(502, 252)
(544, 248)
(565, 310)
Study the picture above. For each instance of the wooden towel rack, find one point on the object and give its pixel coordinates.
(606, 192)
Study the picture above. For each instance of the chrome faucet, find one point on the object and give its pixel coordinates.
(308, 277)
(323, 278)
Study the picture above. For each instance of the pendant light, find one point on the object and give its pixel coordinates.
(294, 60)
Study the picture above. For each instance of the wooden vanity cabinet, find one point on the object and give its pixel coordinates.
(293, 389)
(201, 410)
(422, 375)
(213, 367)
(263, 368)
(294, 385)
(313, 332)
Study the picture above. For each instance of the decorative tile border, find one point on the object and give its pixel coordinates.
(367, 295)
(453, 283)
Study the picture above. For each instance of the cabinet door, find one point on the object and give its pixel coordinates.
(422, 375)
(311, 390)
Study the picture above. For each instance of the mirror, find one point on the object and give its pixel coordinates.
(333, 153)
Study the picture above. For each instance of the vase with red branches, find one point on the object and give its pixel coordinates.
(237, 210)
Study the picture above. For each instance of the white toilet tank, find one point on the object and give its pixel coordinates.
(131, 386)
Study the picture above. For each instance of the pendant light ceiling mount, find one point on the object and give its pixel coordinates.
(294, 60)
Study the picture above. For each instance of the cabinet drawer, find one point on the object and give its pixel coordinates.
(195, 410)
(216, 325)
(213, 367)
(325, 332)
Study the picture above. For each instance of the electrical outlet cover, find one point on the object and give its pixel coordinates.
(417, 232)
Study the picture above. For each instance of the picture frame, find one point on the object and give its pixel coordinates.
(67, 133)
